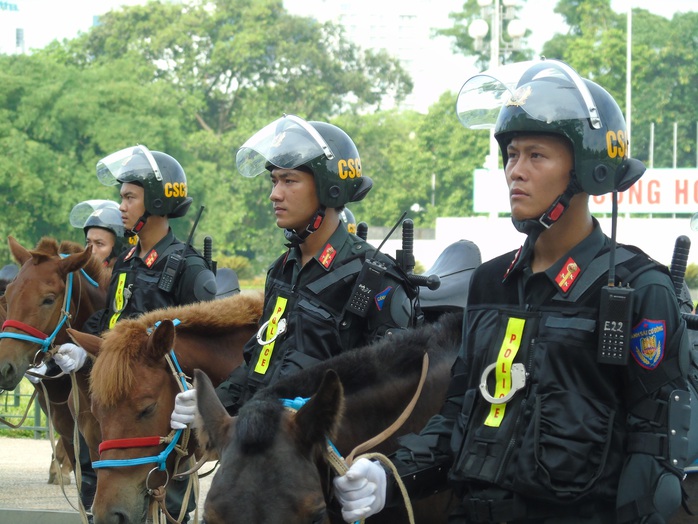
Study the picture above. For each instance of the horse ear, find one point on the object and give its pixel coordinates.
(20, 254)
(90, 343)
(213, 424)
(318, 418)
(76, 261)
(160, 341)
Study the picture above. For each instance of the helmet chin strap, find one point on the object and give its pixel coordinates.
(533, 227)
(137, 226)
(295, 238)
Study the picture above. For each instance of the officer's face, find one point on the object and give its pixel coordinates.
(537, 172)
(132, 204)
(294, 198)
(102, 242)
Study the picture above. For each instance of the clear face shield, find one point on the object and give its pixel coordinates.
(547, 90)
(133, 164)
(100, 208)
(286, 143)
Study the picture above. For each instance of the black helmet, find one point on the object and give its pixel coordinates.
(162, 177)
(98, 213)
(348, 218)
(103, 214)
(549, 97)
(331, 156)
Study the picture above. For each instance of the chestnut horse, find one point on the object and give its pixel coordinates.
(133, 388)
(38, 314)
(273, 467)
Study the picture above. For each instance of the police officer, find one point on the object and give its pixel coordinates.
(331, 291)
(104, 230)
(159, 271)
(568, 402)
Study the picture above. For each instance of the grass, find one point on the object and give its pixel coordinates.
(13, 405)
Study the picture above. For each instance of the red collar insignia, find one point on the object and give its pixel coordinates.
(513, 263)
(151, 258)
(568, 275)
(130, 253)
(327, 256)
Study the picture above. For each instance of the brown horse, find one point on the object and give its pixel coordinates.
(38, 315)
(133, 389)
(273, 467)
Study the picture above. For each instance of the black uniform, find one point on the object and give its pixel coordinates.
(311, 302)
(580, 439)
(133, 290)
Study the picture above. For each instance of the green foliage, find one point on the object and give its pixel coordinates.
(692, 276)
(240, 265)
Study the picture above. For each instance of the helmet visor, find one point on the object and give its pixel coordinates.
(286, 143)
(547, 90)
(133, 164)
(82, 211)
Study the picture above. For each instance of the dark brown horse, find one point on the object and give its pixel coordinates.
(38, 315)
(272, 461)
(133, 389)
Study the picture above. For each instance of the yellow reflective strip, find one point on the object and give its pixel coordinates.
(507, 352)
(118, 299)
(265, 356)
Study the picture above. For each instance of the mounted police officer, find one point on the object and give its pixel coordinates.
(104, 230)
(159, 271)
(568, 401)
(331, 291)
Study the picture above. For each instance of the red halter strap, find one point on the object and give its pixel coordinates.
(24, 327)
(123, 443)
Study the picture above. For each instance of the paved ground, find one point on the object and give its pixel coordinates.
(24, 465)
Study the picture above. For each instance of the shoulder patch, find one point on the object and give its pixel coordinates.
(647, 342)
(380, 297)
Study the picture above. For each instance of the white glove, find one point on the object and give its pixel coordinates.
(184, 409)
(70, 357)
(39, 370)
(361, 490)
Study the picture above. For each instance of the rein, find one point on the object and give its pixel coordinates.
(340, 465)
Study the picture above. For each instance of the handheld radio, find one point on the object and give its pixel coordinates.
(369, 280)
(615, 311)
(175, 261)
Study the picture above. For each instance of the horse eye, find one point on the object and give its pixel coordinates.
(319, 517)
(49, 301)
(147, 411)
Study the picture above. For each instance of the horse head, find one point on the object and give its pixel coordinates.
(37, 308)
(267, 444)
(132, 390)
(141, 365)
(275, 464)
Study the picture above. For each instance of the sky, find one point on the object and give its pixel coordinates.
(65, 18)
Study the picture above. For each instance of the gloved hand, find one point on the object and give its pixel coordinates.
(39, 370)
(184, 409)
(361, 490)
(70, 357)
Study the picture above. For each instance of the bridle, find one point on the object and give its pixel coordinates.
(36, 336)
(172, 440)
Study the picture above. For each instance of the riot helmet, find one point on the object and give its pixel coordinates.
(103, 214)
(161, 176)
(347, 217)
(549, 97)
(324, 149)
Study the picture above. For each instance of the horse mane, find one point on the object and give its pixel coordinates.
(113, 372)
(383, 361)
(49, 247)
(371, 370)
